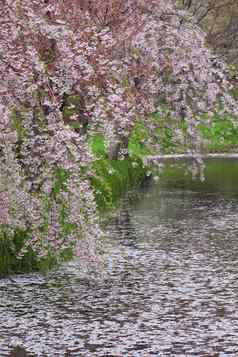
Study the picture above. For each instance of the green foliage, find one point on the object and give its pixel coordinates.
(113, 178)
(164, 132)
(98, 146)
(9, 246)
(60, 184)
(11, 243)
(137, 143)
(166, 140)
(221, 135)
(17, 119)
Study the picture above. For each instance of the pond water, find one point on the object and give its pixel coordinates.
(170, 284)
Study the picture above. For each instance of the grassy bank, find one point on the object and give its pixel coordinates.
(113, 178)
(221, 135)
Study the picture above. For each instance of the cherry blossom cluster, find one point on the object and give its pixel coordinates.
(123, 59)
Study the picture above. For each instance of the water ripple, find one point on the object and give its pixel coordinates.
(170, 287)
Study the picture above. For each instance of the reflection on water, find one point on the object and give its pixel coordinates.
(170, 286)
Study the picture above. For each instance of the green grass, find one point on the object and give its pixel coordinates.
(221, 135)
(112, 178)
(11, 243)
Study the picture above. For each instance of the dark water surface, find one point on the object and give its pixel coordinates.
(170, 286)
